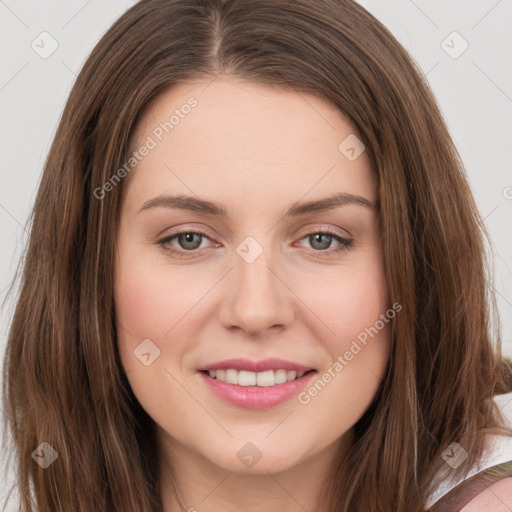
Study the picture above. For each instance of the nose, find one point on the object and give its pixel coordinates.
(257, 296)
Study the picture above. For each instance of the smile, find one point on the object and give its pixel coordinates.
(256, 390)
(262, 379)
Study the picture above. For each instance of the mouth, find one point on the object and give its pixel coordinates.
(256, 390)
(244, 378)
(251, 384)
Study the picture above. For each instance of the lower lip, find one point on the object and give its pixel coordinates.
(256, 397)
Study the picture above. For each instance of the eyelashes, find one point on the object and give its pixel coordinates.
(181, 236)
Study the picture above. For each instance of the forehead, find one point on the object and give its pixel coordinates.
(237, 139)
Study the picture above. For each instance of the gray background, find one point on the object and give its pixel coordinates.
(474, 90)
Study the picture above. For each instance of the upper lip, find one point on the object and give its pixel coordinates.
(256, 366)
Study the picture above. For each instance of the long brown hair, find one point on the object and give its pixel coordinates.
(63, 381)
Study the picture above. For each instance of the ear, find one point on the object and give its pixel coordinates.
(497, 497)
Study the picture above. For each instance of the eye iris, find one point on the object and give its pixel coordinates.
(187, 238)
(318, 236)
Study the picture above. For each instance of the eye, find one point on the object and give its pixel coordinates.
(322, 240)
(189, 242)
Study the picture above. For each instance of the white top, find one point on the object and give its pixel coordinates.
(498, 451)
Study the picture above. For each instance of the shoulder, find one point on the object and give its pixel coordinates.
(487, 486)
(497, 497)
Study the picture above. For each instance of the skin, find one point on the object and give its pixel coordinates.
(257, 150)
(496, 497)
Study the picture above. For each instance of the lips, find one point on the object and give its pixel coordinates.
(256, 397)
(256, 384)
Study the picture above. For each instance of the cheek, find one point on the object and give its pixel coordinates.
(151, 303)
(143, 305)
(359, 353)
(348, 299)
(355, 306)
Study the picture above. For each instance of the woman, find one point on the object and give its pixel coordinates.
(329, 349)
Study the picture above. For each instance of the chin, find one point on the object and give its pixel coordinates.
(252, 458)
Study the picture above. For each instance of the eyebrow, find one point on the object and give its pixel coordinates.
(215, 209)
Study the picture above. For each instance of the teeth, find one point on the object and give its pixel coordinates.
(262, 379)
(246, 378)
(231, 377)
(280, 376)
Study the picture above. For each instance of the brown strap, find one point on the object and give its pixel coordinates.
(463, 493)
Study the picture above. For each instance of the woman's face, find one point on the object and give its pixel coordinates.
(278, 275)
